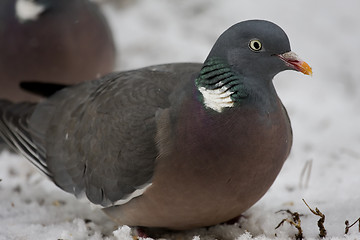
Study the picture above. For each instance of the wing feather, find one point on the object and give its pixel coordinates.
(99, 137)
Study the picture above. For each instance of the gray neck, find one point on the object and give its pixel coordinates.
(221, 87)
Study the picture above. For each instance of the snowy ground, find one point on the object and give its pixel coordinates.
(324, 111)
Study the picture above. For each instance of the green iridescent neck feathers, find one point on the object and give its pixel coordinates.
(219, 85)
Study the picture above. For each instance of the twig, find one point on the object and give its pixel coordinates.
(295, 221)
(347, 227)
(306, 169)
(321, 221)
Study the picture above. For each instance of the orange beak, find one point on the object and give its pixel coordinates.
(293, 61)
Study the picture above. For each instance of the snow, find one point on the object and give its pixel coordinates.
(324, 111)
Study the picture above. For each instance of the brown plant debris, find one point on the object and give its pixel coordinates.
(321, 221)
(294, 221)
(347, 226)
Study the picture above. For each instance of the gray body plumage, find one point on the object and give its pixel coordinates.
(98, 137)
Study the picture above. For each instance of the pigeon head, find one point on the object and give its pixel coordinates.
(257, 48)
(249, 52)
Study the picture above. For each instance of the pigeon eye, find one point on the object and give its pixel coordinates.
(255, 45)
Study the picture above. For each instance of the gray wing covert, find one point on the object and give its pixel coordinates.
(100, 136)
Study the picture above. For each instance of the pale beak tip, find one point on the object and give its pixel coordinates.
(306, 69)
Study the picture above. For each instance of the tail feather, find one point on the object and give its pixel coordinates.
(14, 129)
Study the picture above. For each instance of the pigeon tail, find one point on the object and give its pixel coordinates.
(14, 130)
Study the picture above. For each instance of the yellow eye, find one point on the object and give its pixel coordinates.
(255, 45)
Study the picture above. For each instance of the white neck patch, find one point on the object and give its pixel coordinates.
(217, 99)
(28, 10)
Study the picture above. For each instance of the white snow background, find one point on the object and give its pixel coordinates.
(324, 111)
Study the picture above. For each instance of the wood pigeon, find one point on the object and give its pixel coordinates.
(63, 42)
(174, 146)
